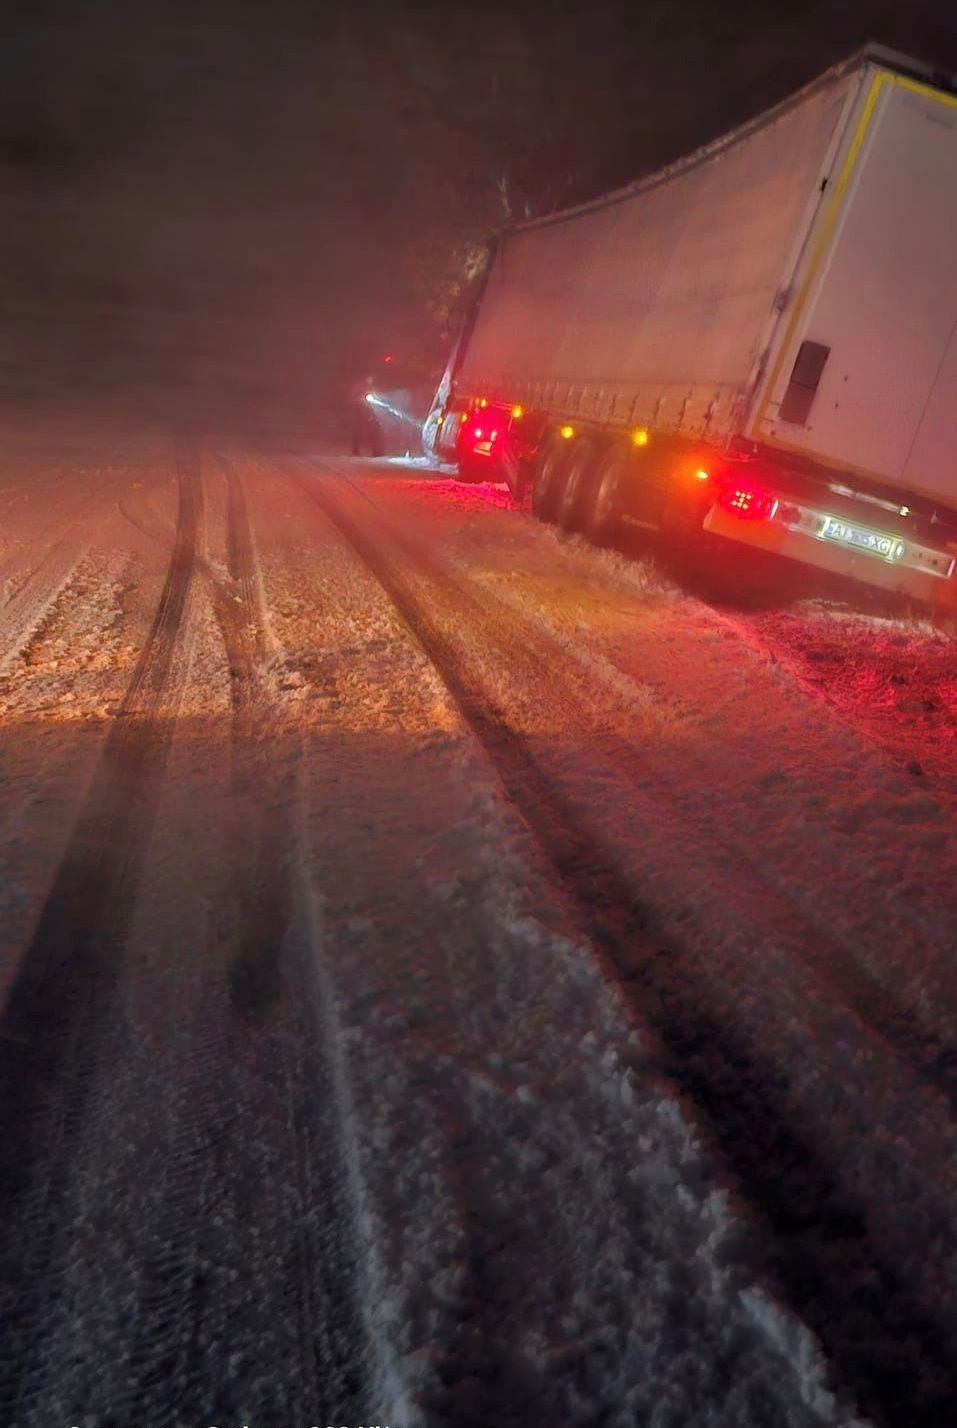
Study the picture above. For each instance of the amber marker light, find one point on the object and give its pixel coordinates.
(640, 437)
(702, 475)
(568, 432)
(518, 412)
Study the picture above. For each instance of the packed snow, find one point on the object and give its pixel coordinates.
(453, 974)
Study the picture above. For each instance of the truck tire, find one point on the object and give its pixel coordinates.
(516, 477)
(603, 505)
(572, 496)
(548, 475)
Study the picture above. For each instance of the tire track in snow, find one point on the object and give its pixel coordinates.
(485, 1360)
(331, 1330)
(822, 1257)
(60, 1003)
(255, 973)
(261, 1068)
(25, 612)
(834, 960)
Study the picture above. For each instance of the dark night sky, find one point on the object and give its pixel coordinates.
(243, 201)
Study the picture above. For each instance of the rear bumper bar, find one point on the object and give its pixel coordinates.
(846, 546)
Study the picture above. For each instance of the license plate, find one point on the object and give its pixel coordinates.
(885, 547)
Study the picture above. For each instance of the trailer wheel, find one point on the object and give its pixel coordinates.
(603, 506)
(574, 486)
(547, 477)
(516, 479)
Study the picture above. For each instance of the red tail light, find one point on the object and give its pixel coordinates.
(746, 501)
(478, 435)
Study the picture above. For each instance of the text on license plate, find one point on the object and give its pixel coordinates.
(886, 547)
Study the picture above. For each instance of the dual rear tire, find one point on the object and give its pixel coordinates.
(578, 484)
(606, 491)
(548, 476)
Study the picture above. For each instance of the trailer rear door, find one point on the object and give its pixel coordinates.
(868, 373)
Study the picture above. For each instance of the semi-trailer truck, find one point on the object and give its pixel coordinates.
(757, 344)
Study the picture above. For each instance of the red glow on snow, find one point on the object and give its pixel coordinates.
(481, 493)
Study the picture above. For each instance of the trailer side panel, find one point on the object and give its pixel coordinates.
(656, 305)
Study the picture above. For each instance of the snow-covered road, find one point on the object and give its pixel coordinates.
(455, 975)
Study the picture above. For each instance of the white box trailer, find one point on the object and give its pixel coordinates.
(760, 340)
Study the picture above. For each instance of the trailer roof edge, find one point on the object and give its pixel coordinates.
(871, 54)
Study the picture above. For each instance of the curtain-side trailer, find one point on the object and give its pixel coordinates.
(760, 341)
